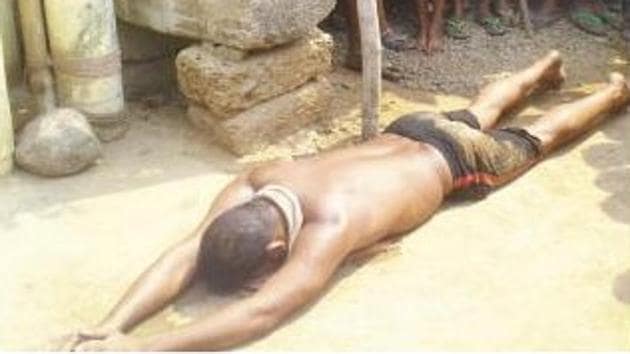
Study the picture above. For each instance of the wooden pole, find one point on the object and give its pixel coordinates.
(86, 57)
(11, 43)
(36, 54)
(371, 52)
(6, 122)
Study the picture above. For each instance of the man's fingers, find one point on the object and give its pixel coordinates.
(83, 347)
(90, 346)
(89, 334)
(70, 342)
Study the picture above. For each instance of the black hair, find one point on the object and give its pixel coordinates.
(234, 245)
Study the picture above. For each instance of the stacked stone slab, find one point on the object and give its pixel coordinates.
(242, 24)
(250, 100)
(259, 73)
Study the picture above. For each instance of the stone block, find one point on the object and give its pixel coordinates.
(270, 121)
(244, 24)
(58, 143)
(227, 86)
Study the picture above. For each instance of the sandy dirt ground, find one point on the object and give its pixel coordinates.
(543, 263)
(462, 65)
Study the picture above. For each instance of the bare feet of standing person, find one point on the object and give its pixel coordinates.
(456, 25)
(390, 39)
(491, 23)
(431, 18)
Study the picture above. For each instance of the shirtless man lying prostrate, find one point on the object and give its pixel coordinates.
(285, 228)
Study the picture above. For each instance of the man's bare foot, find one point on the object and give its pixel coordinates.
(436, 37)
(395, 41)
(457, 28)
(423, 39)
(506, 13)
(493, 25)
(555, 74)
(619, 82)
(354, 62)
(546, 14)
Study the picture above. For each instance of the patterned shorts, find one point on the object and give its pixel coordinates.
(479, 160)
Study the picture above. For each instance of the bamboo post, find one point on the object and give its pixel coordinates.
(86, 57)
(36, 54)
(10, 40)
(371, 53)
(6, 122)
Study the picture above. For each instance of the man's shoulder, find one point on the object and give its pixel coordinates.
(265, 168)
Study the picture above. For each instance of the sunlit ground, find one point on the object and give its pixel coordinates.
(540, 264)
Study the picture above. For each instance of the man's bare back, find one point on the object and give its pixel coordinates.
(288, 226)
(382, 188)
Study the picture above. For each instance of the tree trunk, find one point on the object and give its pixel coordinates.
(371, 52)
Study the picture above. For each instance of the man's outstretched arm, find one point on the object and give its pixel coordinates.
(297, 283)
(172, 272)
(166, 277)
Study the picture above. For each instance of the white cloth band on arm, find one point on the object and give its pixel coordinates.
(289, 204)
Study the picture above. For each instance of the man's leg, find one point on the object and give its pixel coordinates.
(430, 15)
(569, 121)
(484, 8)
(382, 17)
(495, 157)
(500, 96)
(353, 59)
(458, 8)
(625, 10)
(546, 14)
(456, 25)
(424, 24)
(506, 13)
(490, 23)
(390, 38)
(436, 31)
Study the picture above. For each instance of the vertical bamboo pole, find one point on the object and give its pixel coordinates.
(86, 57)
(6, 122)
(10, 40)
(371, 52)
(36, 54)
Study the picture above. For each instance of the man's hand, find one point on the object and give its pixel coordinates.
(71, 341)
(114, 343)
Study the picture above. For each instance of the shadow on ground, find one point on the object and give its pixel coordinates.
(612, 160)
(161, 146)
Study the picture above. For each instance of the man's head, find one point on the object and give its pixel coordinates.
(243, 243)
